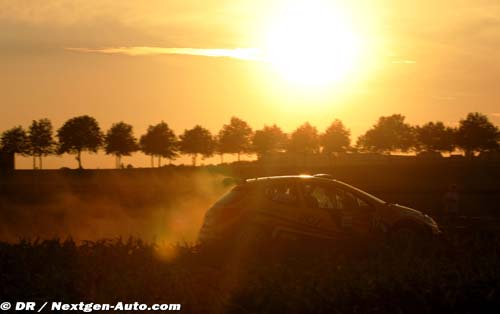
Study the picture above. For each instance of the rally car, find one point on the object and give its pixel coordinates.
(309, 207)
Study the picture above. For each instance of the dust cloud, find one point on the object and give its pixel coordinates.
(161, 207)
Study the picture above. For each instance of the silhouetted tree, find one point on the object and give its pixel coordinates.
(336, 138)
(477, 134)
(197, 140)
(80, 134)
(390, 133)
(41, 142)
(304, 140)
(270, 139)
(235, 138)
(159, 141)
(120, 141)
(435, 137)
(15, 141)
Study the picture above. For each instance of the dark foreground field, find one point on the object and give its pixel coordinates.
(457, 275)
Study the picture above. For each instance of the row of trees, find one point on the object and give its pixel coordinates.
(475, 133)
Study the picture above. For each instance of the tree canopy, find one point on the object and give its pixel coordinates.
(80, 134)
(235, 138)
(389, 134)
(476, 133)
(41, 141)
(336, 138)
(195, 141)
(435, 137)
(15, 141)
(159, 141)
(268, 140)
(120, 141)
(304, 139)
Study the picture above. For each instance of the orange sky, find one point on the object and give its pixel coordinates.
(429, 60)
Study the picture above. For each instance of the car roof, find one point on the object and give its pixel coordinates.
(289, 177)
(317, 178)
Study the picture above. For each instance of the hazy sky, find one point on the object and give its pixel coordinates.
(429, 60)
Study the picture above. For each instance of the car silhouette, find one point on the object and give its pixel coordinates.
(309, 207)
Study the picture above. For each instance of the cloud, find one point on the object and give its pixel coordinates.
(249, 54)
(496, 114)
(252, 54)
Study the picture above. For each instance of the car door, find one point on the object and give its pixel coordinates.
(356, 214)
(320, 208)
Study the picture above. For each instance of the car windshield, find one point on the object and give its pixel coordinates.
(363, 193)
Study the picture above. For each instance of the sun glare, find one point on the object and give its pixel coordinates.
(312, 44)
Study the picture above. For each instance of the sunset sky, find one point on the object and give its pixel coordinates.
(286, 62)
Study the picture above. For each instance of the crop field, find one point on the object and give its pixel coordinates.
(106, 236)
(460, 275)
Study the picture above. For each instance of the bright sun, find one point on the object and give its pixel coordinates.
(313, 45)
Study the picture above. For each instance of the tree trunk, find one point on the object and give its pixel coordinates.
(117, 161)
(152, 161)
(221, 158)
(40, 161)
(34, 161)
(194, 159)
(79, 159)
(159, 161)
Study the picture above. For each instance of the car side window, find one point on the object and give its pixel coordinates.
(346, 200)
(318, 196)
(283, 193)
(363, 205)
